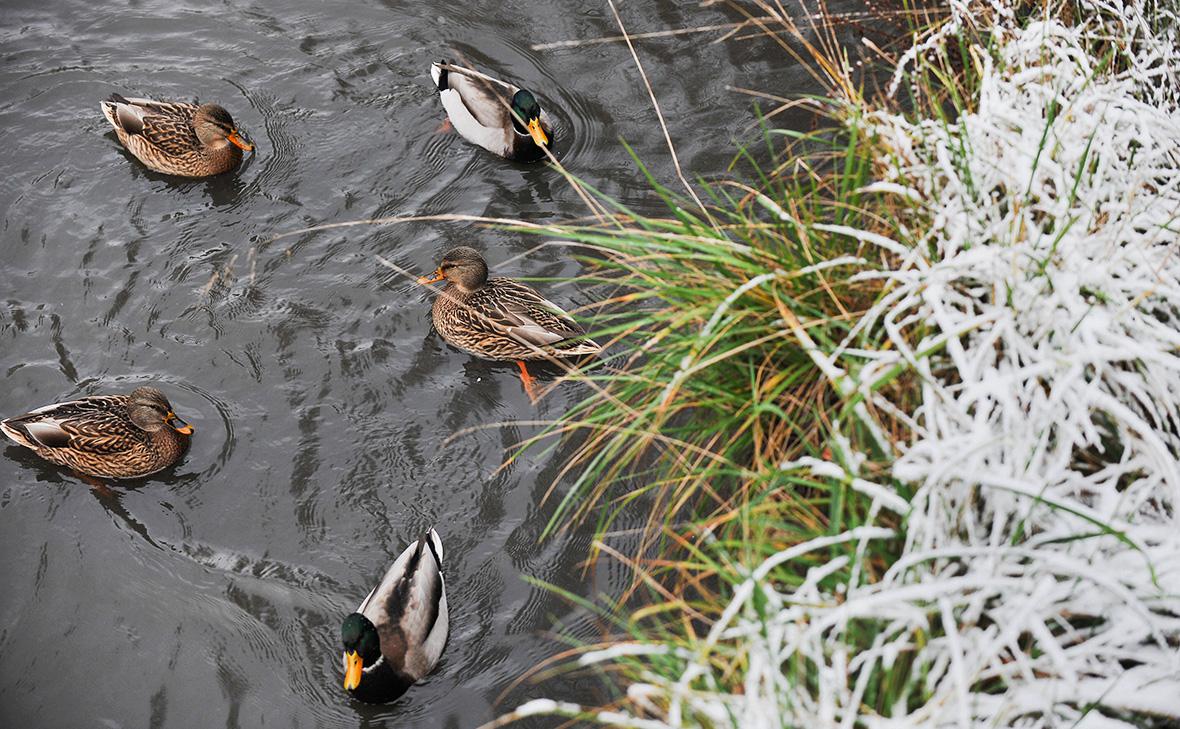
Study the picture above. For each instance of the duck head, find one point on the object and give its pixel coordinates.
(462, 266)
(526, 108)
(150, 410)
(213, 124)
(362, 648)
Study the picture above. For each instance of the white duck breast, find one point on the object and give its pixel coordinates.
(409, 609)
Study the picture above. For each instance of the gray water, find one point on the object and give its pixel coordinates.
(211, 594)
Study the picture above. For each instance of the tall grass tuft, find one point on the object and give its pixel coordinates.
(699, 312)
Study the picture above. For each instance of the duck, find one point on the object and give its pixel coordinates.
(502, 118)
(397, 634)
(499, 318)
(105, 436)
(175, 137)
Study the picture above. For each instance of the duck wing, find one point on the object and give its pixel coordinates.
(409, 608)
(93, 425)
(167, 125)
(477, 104)
(423, 591)
(484, 98)
(525, 315)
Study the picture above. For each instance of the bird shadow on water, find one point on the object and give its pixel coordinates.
(108, 493)
(111, 501)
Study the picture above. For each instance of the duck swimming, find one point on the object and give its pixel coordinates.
(108, 436)
(397, 634)
(502, 118)
(177, 138)
(499, 318)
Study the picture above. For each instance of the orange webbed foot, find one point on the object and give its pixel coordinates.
(530, 384)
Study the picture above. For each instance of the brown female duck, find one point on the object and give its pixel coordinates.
(109, 436)
(177, 138)
(501, 319)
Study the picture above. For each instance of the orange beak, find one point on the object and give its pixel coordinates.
(353, 666)
(178, 425)
(537, 133)
(435, 277)
(236, 139)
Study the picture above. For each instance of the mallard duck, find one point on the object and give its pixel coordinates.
(501, 319)
(501, 118)
(108, 436)
(397, 634)
(177, 138)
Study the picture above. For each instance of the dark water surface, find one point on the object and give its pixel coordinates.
(211, 595)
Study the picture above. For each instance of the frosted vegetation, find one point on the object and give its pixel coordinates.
(1026, 347)
(1040, 313)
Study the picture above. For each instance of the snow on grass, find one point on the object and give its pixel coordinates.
(1038, 308)
(1048, 441)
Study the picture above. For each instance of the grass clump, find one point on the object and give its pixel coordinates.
(902, 408)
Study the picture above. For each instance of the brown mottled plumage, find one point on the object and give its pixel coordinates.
(177, 138)
(498, 318)
(109, 436)
(501, 319)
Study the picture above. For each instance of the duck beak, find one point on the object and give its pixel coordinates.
(178, 425)
(353, 666)
(537, 133)
(235, 137)
(435, 277)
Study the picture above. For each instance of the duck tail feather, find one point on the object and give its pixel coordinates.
(434, 543)
(439, 74)
(579, 347)
(12, 428)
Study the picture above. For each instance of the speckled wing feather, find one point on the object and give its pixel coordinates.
(170, 127)
(165, 125)
(507, 320)
(96, 425)
(525, 314)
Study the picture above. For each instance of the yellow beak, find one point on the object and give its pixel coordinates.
(178, 425)
(432, 278)
(353, 666)
(236, 139)
(537, 133)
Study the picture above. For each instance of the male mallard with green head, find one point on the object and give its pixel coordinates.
(177, 138)
(502, 118)
(397, 634)
(501, 319)
(109, 436)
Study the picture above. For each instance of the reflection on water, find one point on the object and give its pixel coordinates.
(211, 594)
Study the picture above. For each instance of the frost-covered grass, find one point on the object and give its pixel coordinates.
(916, 397)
